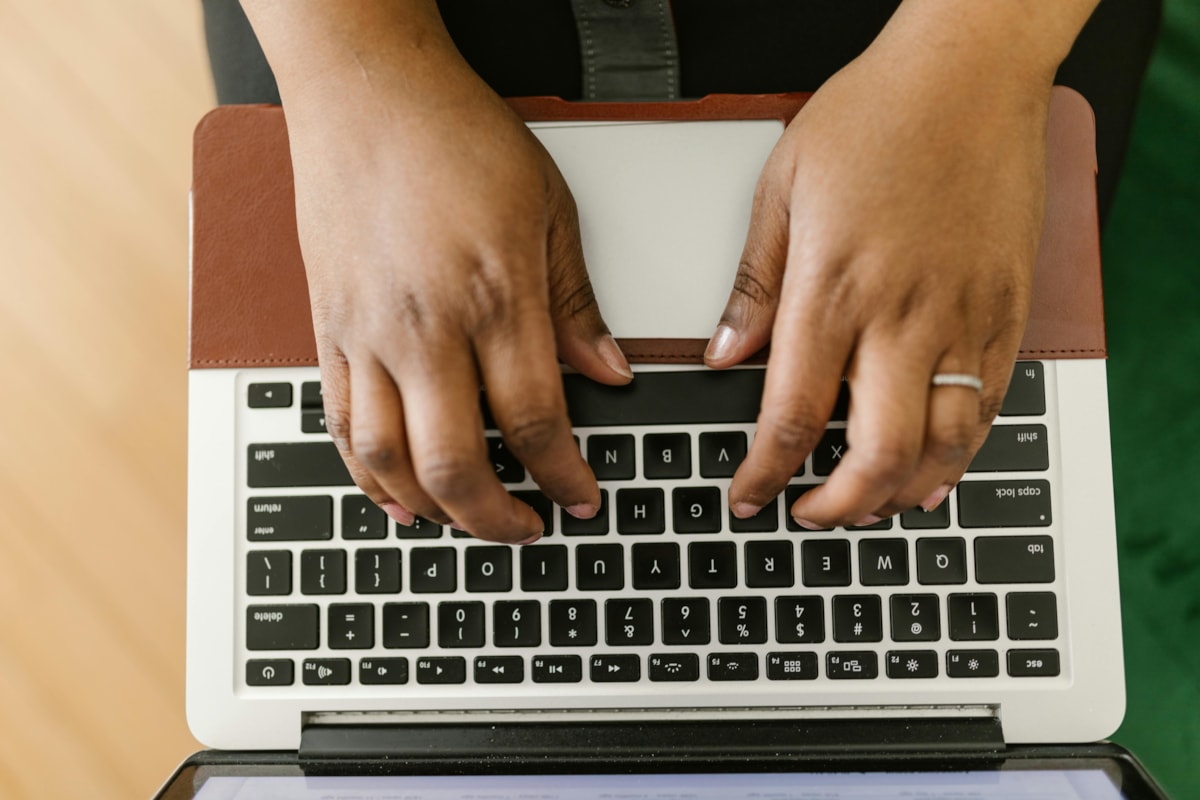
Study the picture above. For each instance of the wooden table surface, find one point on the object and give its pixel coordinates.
(97, 104)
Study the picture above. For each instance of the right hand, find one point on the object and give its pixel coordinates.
(442, 251)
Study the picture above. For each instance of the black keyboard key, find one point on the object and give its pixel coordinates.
(542, 505)
(857, 618)
(270, 671)
(857, 665)
(272, 466)
(1014, 559)
(290, 627)
(1004, 504)
(765, 521)
(712, 565)
(1026, 391)
(326, 671)
(596, 526)
(972, 663)
(696, 509)
(830, 451)
(310, 395)
(351, 626)
(386, 671)
(377, 571)
(406, 625)
(544, 568)
(655, 565)
(799, 620)
(362, 519)
(1032, 615)
(629, 622)
(508, 469)
(517, 623)
(666, 455)
(641, 511)
(268, 572)
(790, 495)
(883, 562)
(312, 422)
(420, 529)
(880, 525)
(599, 567)
(912, 663)
(721, 453)
(289, 519)
(674, 667)
(769, 564)
(461, 624)
(687, 397)
(792, 666)
(918, 519)
(270, 395)
(973, 617)
(1033, 663)
(572, 623)
(742, 620)
(433, 569)
(323, 572)
(732, 667)
(615, 668)
(1013, 448)
(442, 670)
(916, 618)
(557, 669)
(825, 562)
(488, 569)
(941, 561)
(685, 620)
(611, 457)
(499, 669)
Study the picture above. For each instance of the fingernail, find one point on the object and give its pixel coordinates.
(810, 525)
(581, 510)
(745, 510)
(399, 513)
(458, 526)
(936, 497)
(869, 519)
(720, 347)
(531, 539)
(610, 354)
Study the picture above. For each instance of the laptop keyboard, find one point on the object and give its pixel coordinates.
(664, 586)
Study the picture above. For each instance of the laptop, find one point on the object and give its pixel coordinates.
(664, 649)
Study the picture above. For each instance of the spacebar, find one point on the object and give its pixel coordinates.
(271, 466)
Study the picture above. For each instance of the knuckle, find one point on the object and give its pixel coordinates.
(748, 284)
(949, 442)
(534, 431)
(489, 302)
(447, 475)
(572, 294)
(337, 425)
(794, 430)
(376, 452)
(885, 461)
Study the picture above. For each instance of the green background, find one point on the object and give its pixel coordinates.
(1152, 303)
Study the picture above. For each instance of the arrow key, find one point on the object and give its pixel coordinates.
(623, 668)
(499, 669)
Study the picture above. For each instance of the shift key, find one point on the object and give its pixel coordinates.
(1004, 504)
(271, 466)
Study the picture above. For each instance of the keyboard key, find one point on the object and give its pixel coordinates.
(1032, 615)
(685, 621)
(312, 422)
(269, 395)
(641, 511)
(732, 667)
(857, 618)
(323, 572)
(557, 669)
(377, 571)
(310, 395)
(273, 466)
(599, 567)
(742, 620)
(542, 505)
(1026, 391)
(611, 456)
(499, 669)
(289, 519)
(825, 562)
(420, 529)
(1004, 504)
(941, 561)
(629, 622)
(799, 620)
(615, 668)
(712, 565)
(920, 519)
(572, 623)
(859, 665)
(544, 568)
(488, 569)
(326, 671)
(721, 453)
(911, 664)
(973, 617)
(383, 671)
(916, 618)
(351, 626)
(270, 671)
(666, 455)
(405, 625)
(268, 572)
(1014, 559)
(1033, 663)
(790, 495)
(290, 627)
(829, 451)
(674, 667)
(685, 397)
(883, 562)
(1013, 448)
(655, 565)
(461, 624)
(508, 469)
(596, 526)
(769, 564)
(792, 666)
(972, 663)
(433, 569)
(362, 519)
(443, 669)
(696, 509)
(765, 521)
(517, 623)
